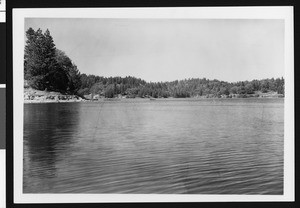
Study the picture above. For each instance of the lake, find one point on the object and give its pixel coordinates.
(165, 146)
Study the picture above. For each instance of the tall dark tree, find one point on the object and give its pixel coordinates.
(29, 53)
(41, 68)
(74, 79)
(69, 72)
(33, 64)
(56, 76)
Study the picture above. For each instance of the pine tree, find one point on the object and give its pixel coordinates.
(39, 59)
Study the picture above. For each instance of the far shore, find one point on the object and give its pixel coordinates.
(37, 96)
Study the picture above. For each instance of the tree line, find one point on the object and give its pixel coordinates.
(48, 68)
(134, 87)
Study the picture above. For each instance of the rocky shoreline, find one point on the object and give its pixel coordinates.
(37, 96)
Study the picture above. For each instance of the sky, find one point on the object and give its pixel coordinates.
(170, 49)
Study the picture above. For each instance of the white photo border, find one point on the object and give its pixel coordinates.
(274, 12)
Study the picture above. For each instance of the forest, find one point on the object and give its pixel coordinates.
(48, 68)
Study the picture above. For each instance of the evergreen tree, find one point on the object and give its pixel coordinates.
(41, 68)
(69, 72)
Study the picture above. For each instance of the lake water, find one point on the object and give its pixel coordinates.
(179, 146)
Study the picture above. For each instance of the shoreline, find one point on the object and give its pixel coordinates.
(51, 101)
(138, 98)
(37, 96)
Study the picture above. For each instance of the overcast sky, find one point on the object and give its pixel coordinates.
(170, 49)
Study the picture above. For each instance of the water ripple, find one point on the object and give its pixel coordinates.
(165, 147)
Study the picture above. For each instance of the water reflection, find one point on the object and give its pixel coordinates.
(48, 136)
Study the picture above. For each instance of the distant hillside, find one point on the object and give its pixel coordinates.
(195, 87)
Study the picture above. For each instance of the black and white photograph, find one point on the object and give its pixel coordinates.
(189, 103)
